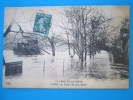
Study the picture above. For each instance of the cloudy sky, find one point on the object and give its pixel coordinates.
(25, 15)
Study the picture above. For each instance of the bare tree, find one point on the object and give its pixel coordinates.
(77, 23)
(53, 40)
(84, 28)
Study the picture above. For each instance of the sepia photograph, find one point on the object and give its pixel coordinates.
(66, 47)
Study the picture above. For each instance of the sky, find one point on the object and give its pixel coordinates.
(25, 15)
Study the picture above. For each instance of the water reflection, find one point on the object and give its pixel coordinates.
(98, 68)
(37, 67)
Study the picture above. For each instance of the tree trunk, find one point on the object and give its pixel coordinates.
(5, 34)
(90, 47)
(53, 50)
(52, 45)
(4, 63)
(85, 49)
(8, 30)
(68, 45)
(82, 60)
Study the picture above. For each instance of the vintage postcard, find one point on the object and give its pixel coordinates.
(66, 47)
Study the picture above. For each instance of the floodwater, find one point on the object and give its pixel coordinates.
(63, 67)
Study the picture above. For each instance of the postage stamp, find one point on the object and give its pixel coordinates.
(42, 23)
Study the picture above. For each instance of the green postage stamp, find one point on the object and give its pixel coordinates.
(42, 23)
